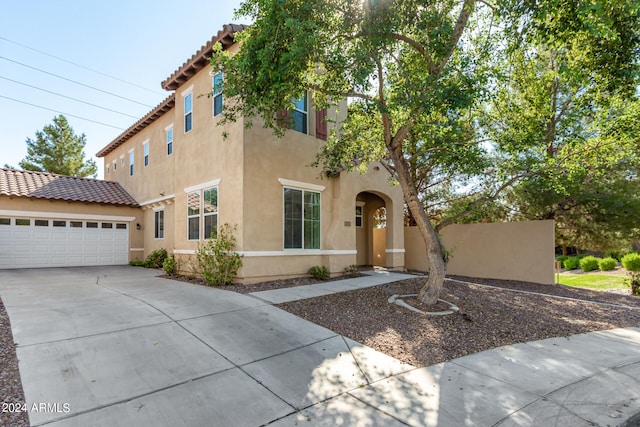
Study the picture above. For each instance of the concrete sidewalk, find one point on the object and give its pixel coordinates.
(122, 347)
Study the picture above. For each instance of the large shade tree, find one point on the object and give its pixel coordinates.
(415, 73)
(58, 149)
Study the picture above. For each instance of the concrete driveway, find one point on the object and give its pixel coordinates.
(117, 346)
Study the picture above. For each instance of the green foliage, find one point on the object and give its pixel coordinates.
(138, 263)
(617, 255)
(169, 265)
(607, 264)
(57, 149)
(589, 263)
(351, 271)
(593, 281)
(562, 258)
(217, 259)
(580, 256)
(571, 263)
(631, 263)
(318, 272)
(156, 258)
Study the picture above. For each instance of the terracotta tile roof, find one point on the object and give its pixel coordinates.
(201, 58)
(40, 185)
(149, 118)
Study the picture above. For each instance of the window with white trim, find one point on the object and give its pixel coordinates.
(193, 215)
(202, 209)
(145, 148)
(358, 216)
(108, 171)
(217, 94)
(188, 112)
(169, 141)
(131, 159)
(301, 219)
(115, 165)
(158, 224)
(122, 161)
(300, 114)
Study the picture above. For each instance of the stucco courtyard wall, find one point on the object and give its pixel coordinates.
(509, 250)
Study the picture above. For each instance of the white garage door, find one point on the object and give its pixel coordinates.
(41, 242)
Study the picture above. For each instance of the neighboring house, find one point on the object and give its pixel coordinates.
(187, 178)
(49, 220)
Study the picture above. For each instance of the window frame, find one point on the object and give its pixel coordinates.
(132, 159)
(304, 220)
(304, 113)
(192, 215)
(359, 216)
(169, 140)
(188, 114)
(145, 153)
(202, 215)
(217, 93)
(209, 214)
(158, 224)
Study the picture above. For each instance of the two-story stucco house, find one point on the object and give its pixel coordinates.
(187, 178)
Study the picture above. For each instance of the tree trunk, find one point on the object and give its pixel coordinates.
(430, 292)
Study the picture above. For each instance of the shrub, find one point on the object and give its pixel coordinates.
(617, 255)
(217, 258)
(169, 265)
(607, 264)
(589, 263)
(571, 263)
(156, 258)
(561, 259)
(580, 256)
(351, 271)
(631, 263)
(138, 263)
(319, 272)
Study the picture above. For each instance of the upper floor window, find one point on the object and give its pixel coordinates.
(217, 94)
(115, 165)
(188, 112)
(122, 160)
(108, 170)
(145, 147)
(131, 159)
(169, 141)
(300, 114)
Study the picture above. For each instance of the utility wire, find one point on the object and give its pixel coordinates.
(68, 97)
(81, 66)
(59, 112)
(73, 81)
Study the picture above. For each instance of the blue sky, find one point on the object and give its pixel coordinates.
(139, 41)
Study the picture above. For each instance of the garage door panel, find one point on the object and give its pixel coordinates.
(55, 245)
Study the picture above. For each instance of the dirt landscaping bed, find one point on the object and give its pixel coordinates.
(10, 383)
(489, 317)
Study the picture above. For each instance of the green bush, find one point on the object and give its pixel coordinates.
(617, 255)
(607, 264)
(319, 272)
(571, 263)
(589, 263)
(156, 258)
(169, 265)
(138, 263)
(561, 259)
(217, 258)
(631, 263)
(580, 256)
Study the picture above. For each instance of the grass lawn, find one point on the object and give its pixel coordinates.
(593, 281)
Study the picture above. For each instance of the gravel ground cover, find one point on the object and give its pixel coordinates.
(10, 385)
(489, 317)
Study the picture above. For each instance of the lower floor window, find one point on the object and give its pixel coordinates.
(301, 219)
(159, 224)
(202, 213)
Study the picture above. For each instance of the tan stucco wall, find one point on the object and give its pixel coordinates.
(26, 208)
(510, 250)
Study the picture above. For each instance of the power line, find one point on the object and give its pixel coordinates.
(81, 66)
(60, 112)
(76, 82)
(68, 97)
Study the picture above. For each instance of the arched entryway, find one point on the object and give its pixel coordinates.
(373, 231)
